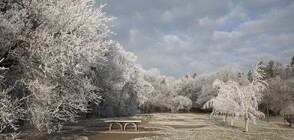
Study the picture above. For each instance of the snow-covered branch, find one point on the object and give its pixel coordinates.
(55, 43)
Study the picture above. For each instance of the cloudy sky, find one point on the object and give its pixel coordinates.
(186, 36)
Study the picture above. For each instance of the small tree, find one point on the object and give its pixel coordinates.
(239, 101)
(181, 103)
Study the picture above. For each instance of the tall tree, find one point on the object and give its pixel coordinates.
(55, 43)
(292, 61)
(292, 66)
(269, 69)
(117, 77)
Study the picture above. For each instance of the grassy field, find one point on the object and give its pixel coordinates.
(216, 128)
(173, 126)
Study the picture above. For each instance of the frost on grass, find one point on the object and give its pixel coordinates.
(217, 129)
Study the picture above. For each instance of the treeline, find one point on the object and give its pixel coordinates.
(195, 91)
(279, 96)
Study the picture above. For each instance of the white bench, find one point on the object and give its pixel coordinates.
(123, 123)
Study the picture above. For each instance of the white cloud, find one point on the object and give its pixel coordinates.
(277, 43)
(257, 7)
(167, 17)
(182, 37)
(276, 21)
(246, 50)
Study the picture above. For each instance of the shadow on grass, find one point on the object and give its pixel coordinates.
(285, 126)
(219, 122)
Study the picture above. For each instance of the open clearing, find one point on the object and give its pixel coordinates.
(173, 126)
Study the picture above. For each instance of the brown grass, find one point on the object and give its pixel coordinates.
(186, 126)
(176, 119)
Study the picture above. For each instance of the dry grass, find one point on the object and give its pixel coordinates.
(216, 128)
(186, 126)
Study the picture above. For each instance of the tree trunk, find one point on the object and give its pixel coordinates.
(225, 118)
(246, 118)
(246, 124)
(267, 112)
(232, 121)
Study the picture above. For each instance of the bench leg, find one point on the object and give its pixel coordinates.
(135, 125)
(121, 126)
(111, 125)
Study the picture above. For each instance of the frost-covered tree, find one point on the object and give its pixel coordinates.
(239, 100)
(143, 89)
(190, 86)
(200, 89)
(159, 96)
(207, 91)
(120, 81)
(225, 74)
(140, 85)
(55, 43)
(279, 94)
(110, 75)
(226, 102)
(10, 110)
(181, 103)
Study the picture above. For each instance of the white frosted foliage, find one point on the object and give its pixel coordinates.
(10, 109)
(181, 103)
(55, 44)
